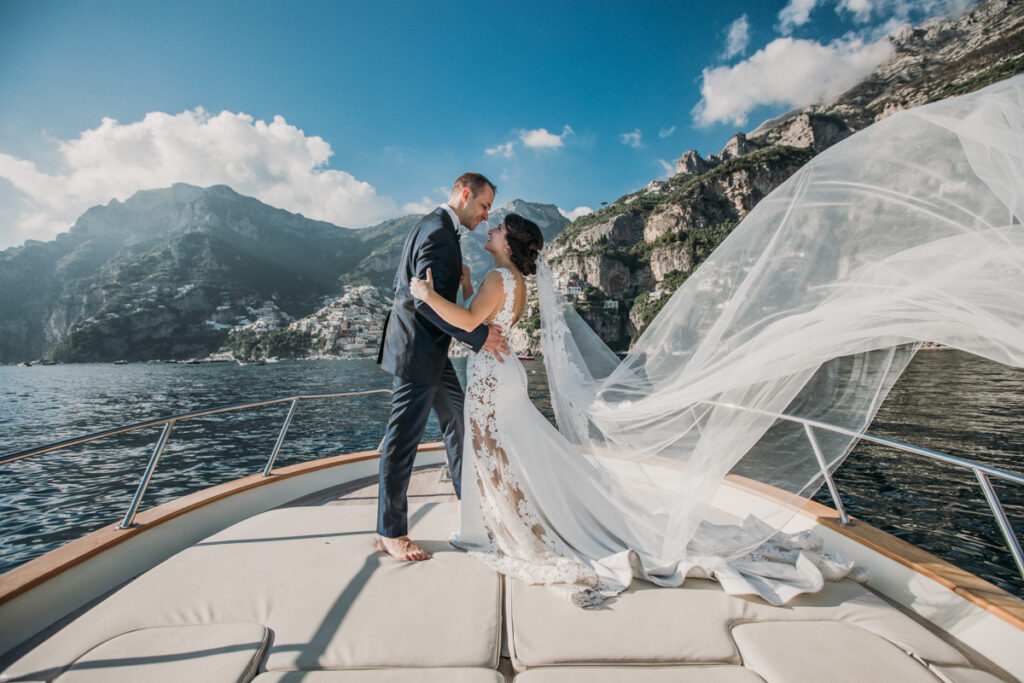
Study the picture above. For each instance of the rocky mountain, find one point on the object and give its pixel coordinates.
(172, 273)
(621, 263)
(161, 275)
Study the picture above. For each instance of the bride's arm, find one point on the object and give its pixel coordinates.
(487, 300)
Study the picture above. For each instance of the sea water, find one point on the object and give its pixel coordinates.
(946, 401)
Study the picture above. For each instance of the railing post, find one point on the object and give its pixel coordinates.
(280, 438)
(380, 446)
(129, 518)
(843, 518)
(1004, 523)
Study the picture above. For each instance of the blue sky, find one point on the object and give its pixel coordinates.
(354, 112)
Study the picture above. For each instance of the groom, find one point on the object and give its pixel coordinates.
(414, 348)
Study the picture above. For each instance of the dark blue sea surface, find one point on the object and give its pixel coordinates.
(964, 406)
(946, 400)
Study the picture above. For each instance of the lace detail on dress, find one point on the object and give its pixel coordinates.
(507, 315)
(520, 543)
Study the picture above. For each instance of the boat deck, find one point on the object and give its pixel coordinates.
(425, 486)
(299, 593)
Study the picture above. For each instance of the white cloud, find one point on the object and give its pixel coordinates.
(665, 132)
(423, 206)
(738, 38)
(275, 162)
(503, 150)
(668, 169)
(788, 72)
(860, 9)
(576, 213)
(428, 203)
(540, 138)
(795, 13)
(634, 139)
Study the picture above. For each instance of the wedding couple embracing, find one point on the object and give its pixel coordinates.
(414, 348)
(506, 521)
(417, 334)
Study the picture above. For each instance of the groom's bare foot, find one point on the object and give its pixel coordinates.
(402, 548)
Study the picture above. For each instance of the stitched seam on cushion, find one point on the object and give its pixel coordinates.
(501, 622)
(910, 649)
(65, 668)
(742, 622)
(510, 625)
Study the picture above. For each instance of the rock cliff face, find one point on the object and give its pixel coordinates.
(642, 246)
(639, 249)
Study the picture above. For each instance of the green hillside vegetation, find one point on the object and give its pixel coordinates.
(249, 344)
(1010, 67)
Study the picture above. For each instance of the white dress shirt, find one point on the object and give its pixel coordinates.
(455, 219)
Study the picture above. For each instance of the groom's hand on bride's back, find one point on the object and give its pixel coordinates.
(496, 342)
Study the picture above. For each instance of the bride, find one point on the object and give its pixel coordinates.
(502, 522)
(800, 322)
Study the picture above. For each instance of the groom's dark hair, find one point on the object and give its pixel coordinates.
(475, 182)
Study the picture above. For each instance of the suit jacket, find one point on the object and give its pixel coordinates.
(415, 342)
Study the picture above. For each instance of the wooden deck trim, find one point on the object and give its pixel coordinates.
(41, 569)
(989, 597)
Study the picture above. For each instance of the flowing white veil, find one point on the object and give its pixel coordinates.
(908, 231)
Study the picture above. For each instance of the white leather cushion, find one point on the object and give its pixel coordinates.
(800, 651)
(314, 578)
(214, 653)
(687, 625)
(466, 675)
(644, 624)
(639, 674)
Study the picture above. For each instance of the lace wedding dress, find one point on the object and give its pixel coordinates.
(501, 521)
(537, 509)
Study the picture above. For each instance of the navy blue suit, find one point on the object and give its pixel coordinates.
(414, 349)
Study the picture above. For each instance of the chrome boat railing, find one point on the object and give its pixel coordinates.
(981, 472)
(168, 424)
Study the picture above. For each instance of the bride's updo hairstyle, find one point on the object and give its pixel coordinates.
(524, 242)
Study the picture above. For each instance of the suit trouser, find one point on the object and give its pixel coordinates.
(411, 403)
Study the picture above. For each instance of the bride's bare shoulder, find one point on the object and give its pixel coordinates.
(492, 286)
(493, 278)
(496, 279)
